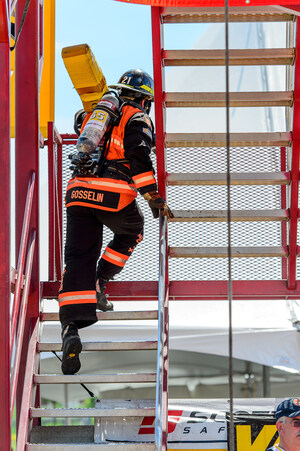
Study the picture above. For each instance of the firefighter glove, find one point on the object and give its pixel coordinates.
(82, 164)
(157, 203)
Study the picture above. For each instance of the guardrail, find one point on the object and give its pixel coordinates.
(54, 143)
(23, 282)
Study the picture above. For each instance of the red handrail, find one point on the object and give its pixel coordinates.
(22, 318)
(55, 202)
(27, 392)
(21, 260)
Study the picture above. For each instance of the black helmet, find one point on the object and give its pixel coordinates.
(137, 81)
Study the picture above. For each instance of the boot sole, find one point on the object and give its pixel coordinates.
(70, 361)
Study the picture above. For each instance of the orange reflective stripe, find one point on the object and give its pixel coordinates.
(114, 257)
(117, 254)
(105, 184)
(146, 178)
(76, 301)
(75, 293)
(77, 297)
(111, 260)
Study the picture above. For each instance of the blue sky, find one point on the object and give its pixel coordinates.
(119, 35)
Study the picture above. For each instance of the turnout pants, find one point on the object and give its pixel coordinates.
(77, 294)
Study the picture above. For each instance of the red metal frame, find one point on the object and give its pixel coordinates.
(21, 262)
(27, 396)
(293, 227)
(27, 157)
(5, 223)
(283, 206)
(55, 201)
(22, 319)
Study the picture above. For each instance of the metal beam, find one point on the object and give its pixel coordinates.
(5, 238)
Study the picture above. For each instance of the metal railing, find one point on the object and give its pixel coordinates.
(20, 300)
(161, 407)
(54, 143)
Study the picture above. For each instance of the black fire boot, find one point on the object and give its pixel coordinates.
(71, 348)
(102, 302)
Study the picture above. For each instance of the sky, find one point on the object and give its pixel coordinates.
(119, 35)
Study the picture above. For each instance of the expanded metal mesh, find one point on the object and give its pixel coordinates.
(212, 234)
(143, 265)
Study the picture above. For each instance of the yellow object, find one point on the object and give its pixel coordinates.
(46, 94)
(47, 87)
(86, 75)
(261, 442)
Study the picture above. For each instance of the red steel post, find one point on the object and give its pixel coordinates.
(292, 259)
(283, 206)
(5, 223)
(157, 43)
(27, 153)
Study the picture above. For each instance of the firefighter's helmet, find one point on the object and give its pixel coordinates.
(136, 81)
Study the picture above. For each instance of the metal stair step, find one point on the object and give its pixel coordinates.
(237, 57)
(93, 378)
(110, 316)
(281, 139)
(213, 15)
(236, 215)
(102, 346)
(222, 252)
(103, 408)
(255, 178)
(91, 413)
(91, 447)
(237, 99)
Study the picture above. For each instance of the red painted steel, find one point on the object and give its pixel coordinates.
(55, 201)
(27, 392)
(283, 206)
(21, 261)
(203, 3)
(27, 155)
(292, 260)
(51, 200)
(5, 269)
(59, 215)
(186, 290)
(21, 328)
(157, 42)
(4, 22)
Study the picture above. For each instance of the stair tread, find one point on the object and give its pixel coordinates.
(89, 413)
(222, 252)
(215, 14)
(93, 378)
(110, 316)
(237, 57)
(242, 178)
(102, 346)
(277, 139)
(237, 99)
(236, 215)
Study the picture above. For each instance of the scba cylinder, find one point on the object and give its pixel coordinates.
(96, 126)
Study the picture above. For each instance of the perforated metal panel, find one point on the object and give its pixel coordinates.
(259, 159)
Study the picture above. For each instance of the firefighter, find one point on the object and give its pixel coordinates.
(104, 194)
